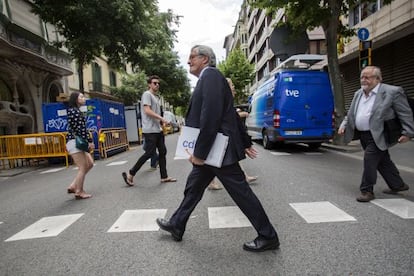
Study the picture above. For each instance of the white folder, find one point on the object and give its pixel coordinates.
(187, 140)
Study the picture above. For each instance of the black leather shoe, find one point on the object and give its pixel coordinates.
(260, 244)
(166, 226)
(395, 191)
(365, 197)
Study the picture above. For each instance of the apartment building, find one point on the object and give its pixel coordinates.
(33, 71)
(391, 29)
(98, 77)
(255, 33)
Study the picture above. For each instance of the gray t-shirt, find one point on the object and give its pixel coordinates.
(150, 124)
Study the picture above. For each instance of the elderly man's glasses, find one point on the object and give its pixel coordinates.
(367, 77)
(194, 56)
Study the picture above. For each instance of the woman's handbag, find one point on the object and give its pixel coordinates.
(82, 143)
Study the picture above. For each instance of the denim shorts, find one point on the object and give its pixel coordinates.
(71, 147)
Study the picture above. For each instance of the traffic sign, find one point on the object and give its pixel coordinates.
(363, 34)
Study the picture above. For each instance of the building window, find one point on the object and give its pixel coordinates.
(97, 77)
(363, 10)
(367, 9)
(112, 78)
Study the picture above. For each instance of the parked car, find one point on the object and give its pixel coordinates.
(170, 117)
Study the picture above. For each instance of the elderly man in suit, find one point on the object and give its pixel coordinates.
(373, 104)
(211, 110)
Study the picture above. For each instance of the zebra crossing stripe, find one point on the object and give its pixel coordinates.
(277, 153)
(227, 217)
(46, 227)
(52, 170)
(116, 163)
(138, 220)
(323, 211)
(398, 206)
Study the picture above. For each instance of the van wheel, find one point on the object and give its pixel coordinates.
(266, 142)
(314, 146)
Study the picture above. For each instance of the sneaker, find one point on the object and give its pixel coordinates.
(395, 191)
(365, 197)
(153, 168)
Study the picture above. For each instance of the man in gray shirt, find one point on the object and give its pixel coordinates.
(152, 131)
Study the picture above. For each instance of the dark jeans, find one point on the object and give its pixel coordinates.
(376, 159)
(153, 142)
(154, 157)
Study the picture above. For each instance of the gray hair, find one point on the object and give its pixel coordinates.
(206, 51)
(375, 70)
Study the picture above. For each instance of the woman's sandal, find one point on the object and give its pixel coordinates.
(71, 190)
(168, 179)
(83, 196)
(127, 180)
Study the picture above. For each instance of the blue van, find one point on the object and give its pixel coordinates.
(293, 106)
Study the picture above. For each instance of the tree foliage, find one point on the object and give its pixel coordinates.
(131, 89)
(240, 71)
(175, 87)
(123, 31)
(309, 14)
(118, 29)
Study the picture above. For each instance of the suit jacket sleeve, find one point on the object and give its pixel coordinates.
(403, 112)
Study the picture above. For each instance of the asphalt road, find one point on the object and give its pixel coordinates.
(368, 240)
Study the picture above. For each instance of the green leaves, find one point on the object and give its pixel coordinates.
(241, 72)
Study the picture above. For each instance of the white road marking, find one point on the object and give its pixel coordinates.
(277, 153)
(317, 212)
(117, 163)
(227, 217)
(53, 170)
(46, 227)
(398, 206)
(138, 220)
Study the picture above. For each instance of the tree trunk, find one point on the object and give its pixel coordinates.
(331, 30)
(80, 76)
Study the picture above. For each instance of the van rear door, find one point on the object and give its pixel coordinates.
(305, 104)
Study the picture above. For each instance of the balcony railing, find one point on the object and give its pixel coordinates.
(99, 87)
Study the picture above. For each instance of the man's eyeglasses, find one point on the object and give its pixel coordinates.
(367, 77)
(155, 83)
(194, 56)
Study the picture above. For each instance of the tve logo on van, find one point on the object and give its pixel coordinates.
(292, 93)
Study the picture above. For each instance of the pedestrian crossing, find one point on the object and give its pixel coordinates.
(142, 220)
(46, 227)
(138, 220)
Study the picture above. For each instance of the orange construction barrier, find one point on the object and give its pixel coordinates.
(27, 146)
(112, 139)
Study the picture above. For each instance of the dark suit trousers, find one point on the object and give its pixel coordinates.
(153, 141)
(234, 182)
(376, 159)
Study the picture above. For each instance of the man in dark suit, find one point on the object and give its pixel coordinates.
(211, 110)
(373, 104)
